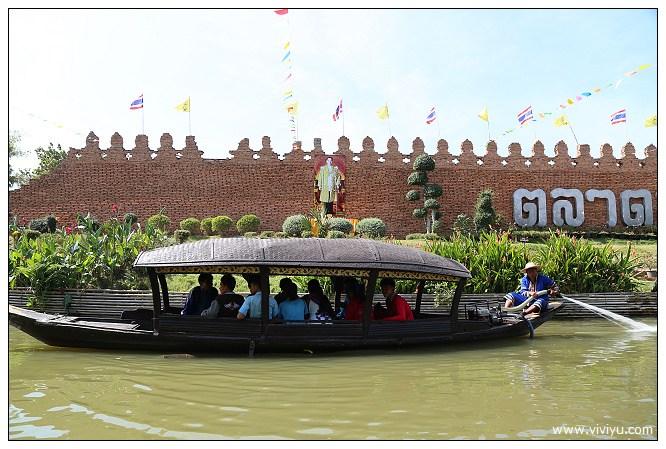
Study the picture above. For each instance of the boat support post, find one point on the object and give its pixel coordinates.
(165, 291)
(420, 289)
(155, 287)
(369, 296)
(456, 301)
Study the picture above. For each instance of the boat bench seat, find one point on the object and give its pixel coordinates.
(195, 325)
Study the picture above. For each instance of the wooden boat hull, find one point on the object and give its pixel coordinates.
(178, 334)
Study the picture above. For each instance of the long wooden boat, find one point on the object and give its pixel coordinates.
(166, 330)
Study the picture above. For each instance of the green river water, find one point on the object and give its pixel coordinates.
(590, 375)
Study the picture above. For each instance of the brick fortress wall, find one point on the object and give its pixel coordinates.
(141, 180)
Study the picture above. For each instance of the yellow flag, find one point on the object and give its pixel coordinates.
(650, 122)
(484, 114)
(184, 106)
(561, 121)
(382, 112)
(643, 67)
(292, 108)
(570, 101)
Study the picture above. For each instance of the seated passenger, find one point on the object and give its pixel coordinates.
(293, 307)
(356, 306)
(284, 283)
(397, 308)
(200, 297)
(318, 304)
(348, 284)
(227, 303)
(251, 308)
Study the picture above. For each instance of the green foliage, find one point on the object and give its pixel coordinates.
(14, 151)
(371, 227)
(432, 190)
(417, 178)
(424, 162)
(431, 203)
(99, 256)
(333, 234)
(159, 221)
(266, 234)
(307, 234)
(415, 236)
(419, 212)
(248, 223)
(280, 235)
(340, 224)
(431, 236)
(192, 225)
(437, 227)
(485, 216)
(130, 218)
(40, 225)
(31, 234)
(49, 158)
(294, 225)
(221, 224)
(413, 195)
(324, 281)
(580, 267)
(575, 264)
(464, 225)
(181, 235)
(250, 234)
(51, 223)
(207, 226)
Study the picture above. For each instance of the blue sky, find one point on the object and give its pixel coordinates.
(72, 71)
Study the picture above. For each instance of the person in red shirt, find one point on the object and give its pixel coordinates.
(356, 306)
(397, 308)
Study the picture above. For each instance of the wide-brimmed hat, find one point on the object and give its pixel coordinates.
(530, 265)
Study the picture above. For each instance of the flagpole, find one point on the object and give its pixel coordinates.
(142, 128)
(572, 131)
(343, 119)
(439, 132)
(189, 115)
(388, 116)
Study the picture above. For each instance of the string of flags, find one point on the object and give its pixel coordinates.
(527, 115)
(290, 104)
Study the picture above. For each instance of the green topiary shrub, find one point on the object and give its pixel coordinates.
(221, 224)
(424, 162)
(130, 218)
(340, 224)
(40, 225)
(307, 234)
(437, 227)
(295, 225)
(192, 225)
(419, 212)
(417, 178)
(415, 236)
(485, 216)
(51, 223)
(336, 234)
(431, 203)
(371, 227)
(431, 236)
(206, 226)
(159, 221)
(248, 223)
(250, 234)
(267, 234)
(280, 235)
(413, 195)
(432, 190)
(181, 235)
(31, 234)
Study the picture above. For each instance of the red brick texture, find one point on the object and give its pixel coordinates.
(142, 180)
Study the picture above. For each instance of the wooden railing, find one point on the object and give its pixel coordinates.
(110, 303)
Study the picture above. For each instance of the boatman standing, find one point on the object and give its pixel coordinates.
(534, 287)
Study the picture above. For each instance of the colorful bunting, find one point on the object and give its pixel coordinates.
(561, 121)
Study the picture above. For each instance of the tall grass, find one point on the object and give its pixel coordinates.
(575, 264)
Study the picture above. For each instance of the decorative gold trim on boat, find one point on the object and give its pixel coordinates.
(318, 271)
(415, 275)
(209, 269)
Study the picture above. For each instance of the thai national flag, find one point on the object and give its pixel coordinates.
(431, 117)
(619, 117)
(338, 111)
(138, 103)
(525, 115)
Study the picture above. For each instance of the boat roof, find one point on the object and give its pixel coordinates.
(301, 257)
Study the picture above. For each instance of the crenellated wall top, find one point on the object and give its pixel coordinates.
(366, 153)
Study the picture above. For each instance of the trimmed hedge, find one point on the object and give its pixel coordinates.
(371, 227)
(294, 225)
(248, 223)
